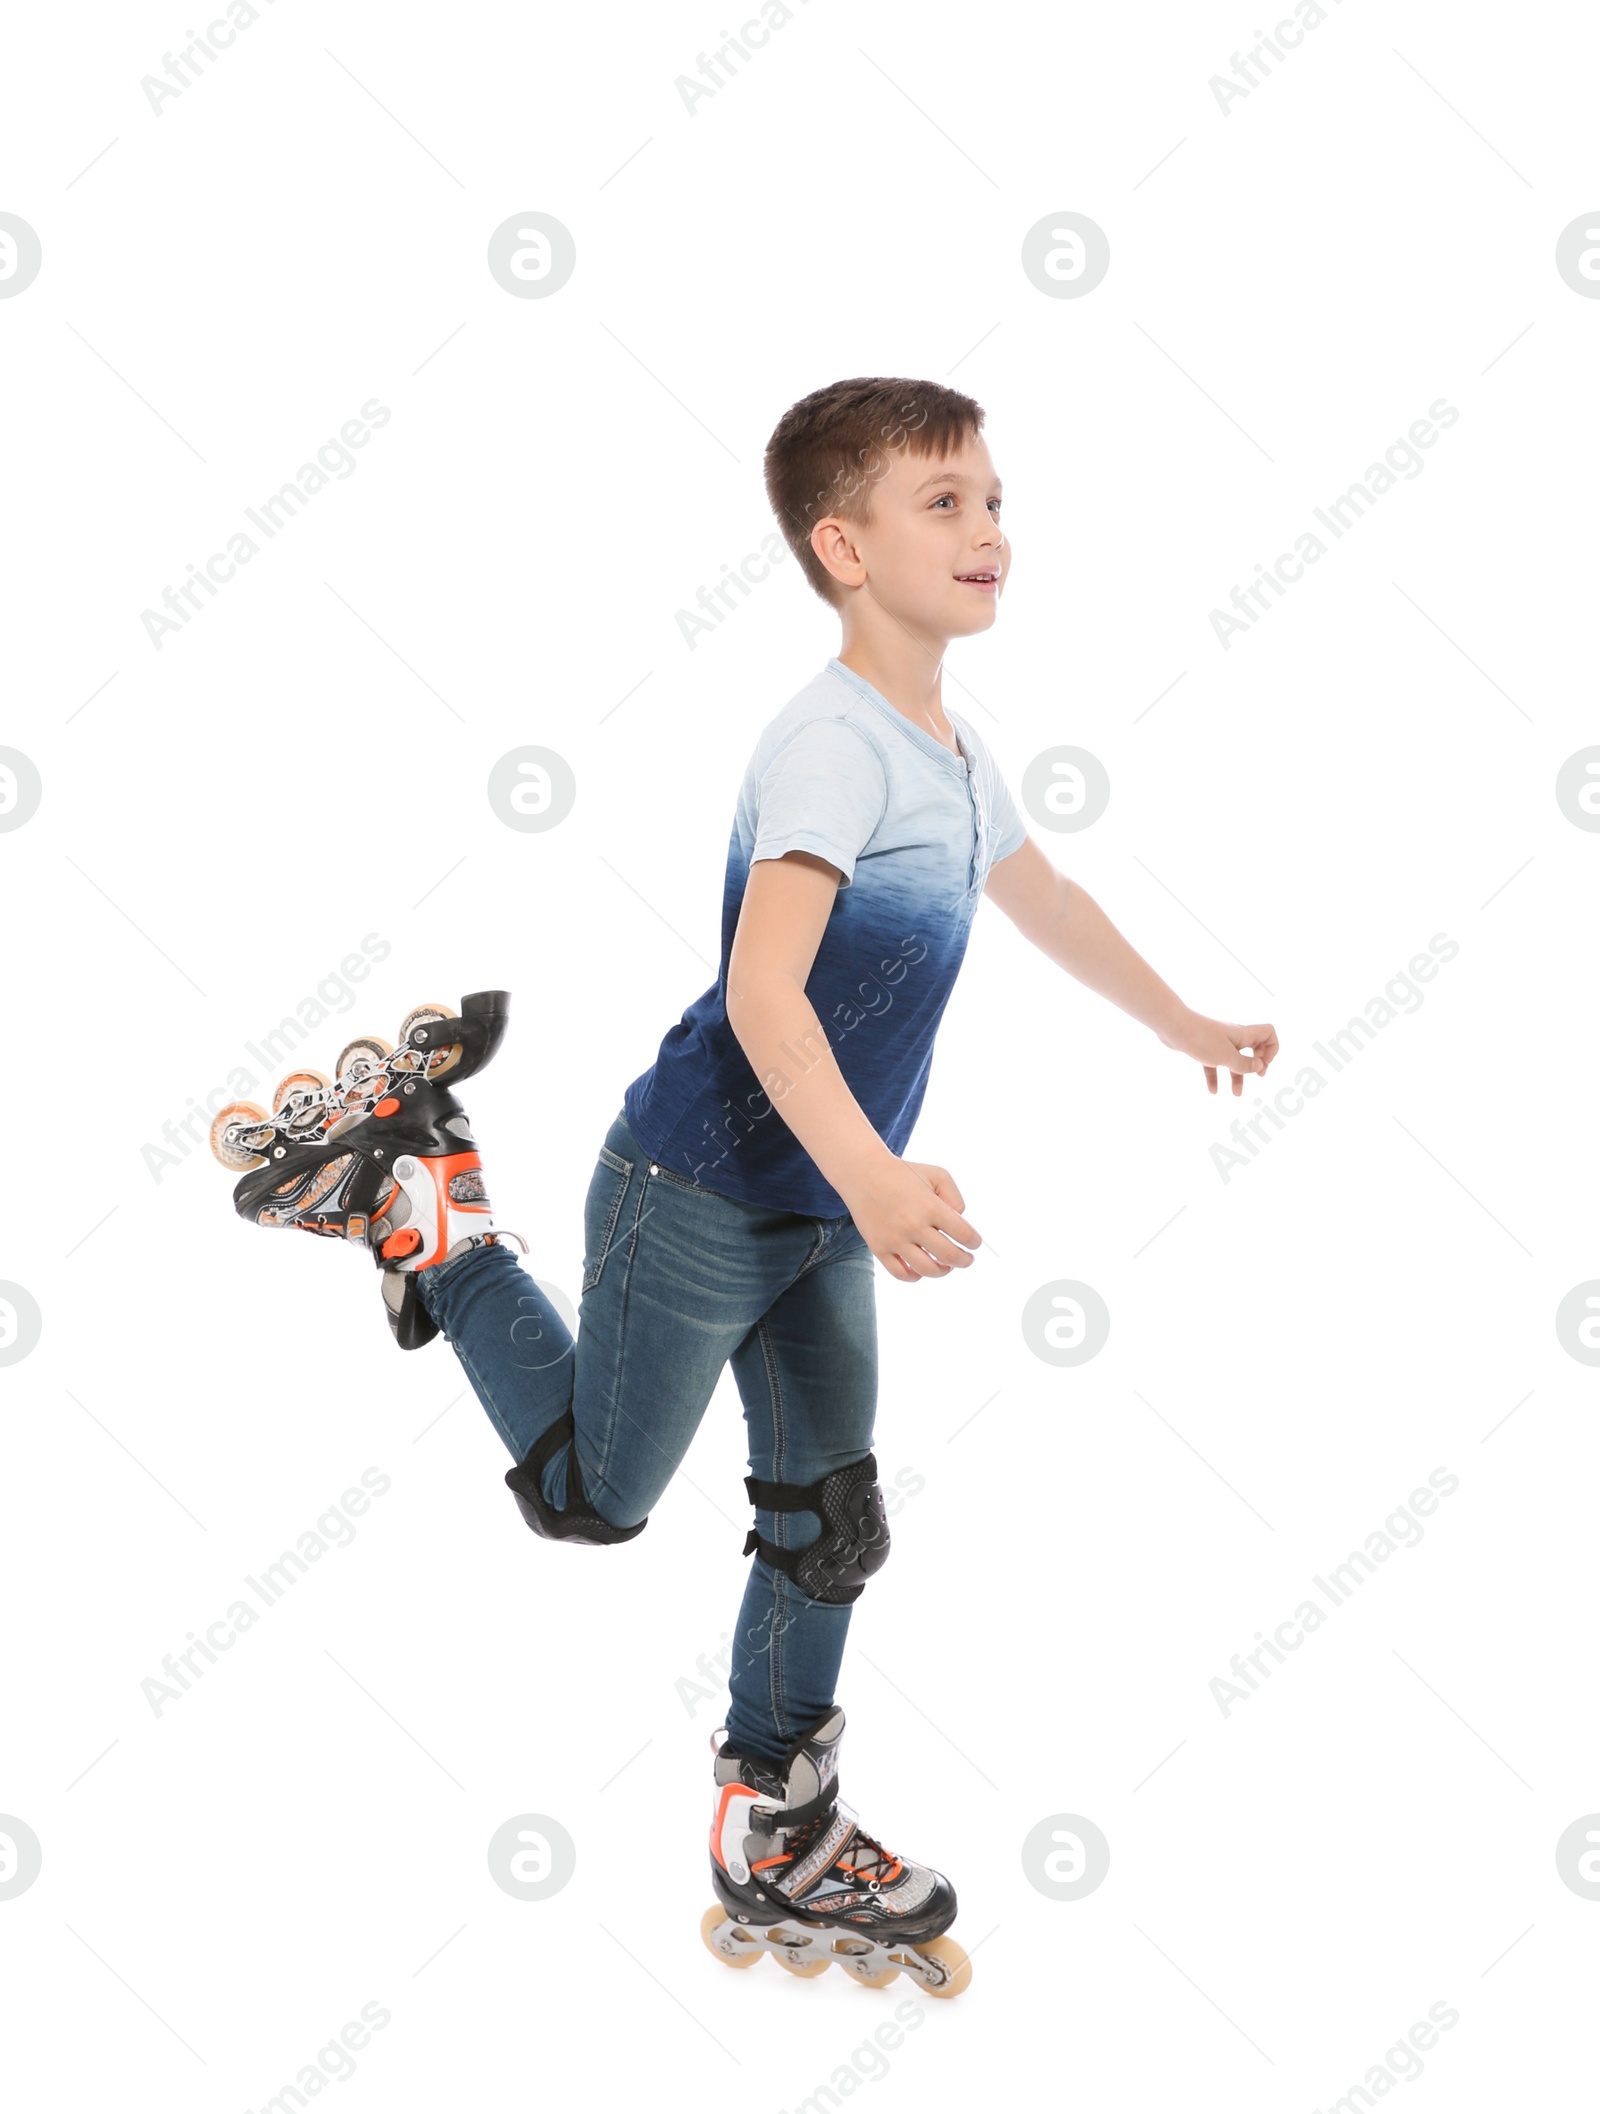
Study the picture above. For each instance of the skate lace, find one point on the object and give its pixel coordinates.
(863, 1858)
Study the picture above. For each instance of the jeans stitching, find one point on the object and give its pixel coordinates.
(779, 1578)
(680, 1181)
(613, 1409)
(626, 1171)
(827, 1230)
(780, 1716)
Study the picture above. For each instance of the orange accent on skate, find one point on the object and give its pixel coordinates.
(767, 1862)
(729, 1793)
(406, 1242)
(389, 1106)
(356, 1227)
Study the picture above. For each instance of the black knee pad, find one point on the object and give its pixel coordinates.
(576, 1521)
(854, 1541)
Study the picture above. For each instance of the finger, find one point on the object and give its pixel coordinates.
(924, 1264)
(897, 1269)
(1211, 1078)
(1261, 1040)
(946, 1251)
(1238, 1083)
(958, 1228)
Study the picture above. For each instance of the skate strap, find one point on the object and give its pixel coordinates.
(780, 1497)
(766, 1820)
(785, 1497)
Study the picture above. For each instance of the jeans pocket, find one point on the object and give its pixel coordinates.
(602, 1208)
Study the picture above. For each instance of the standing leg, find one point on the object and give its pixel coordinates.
(808, 1375)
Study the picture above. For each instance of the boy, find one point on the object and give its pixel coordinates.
(755, 1170)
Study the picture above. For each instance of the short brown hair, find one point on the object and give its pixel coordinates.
(828, 450)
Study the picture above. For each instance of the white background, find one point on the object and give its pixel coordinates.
(1372, 1297)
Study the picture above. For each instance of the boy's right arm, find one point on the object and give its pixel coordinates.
(908, 1213)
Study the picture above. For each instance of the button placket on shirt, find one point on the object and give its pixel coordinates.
(980, 825)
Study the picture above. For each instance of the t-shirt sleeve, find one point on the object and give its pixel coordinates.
(825, 792)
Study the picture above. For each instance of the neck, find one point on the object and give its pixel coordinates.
(901, 664)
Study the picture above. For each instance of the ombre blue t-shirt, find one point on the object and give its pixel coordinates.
(913, 830)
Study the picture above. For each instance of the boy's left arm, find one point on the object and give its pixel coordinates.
(1067, 924)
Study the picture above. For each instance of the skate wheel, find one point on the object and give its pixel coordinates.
(866, 1981)
(953, 1959)
(371, 1047)
(370, 1051)
(291, 1080)
(233, 1157)
(800, 1967)
(733, 1946)
(433, 1062)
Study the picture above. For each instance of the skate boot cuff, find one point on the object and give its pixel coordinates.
(803, 1787)
(410, 1323)
(576, 1521)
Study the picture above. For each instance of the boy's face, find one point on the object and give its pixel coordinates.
(933, 555)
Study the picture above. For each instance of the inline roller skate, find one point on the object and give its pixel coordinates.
(381, 1155)
(797, 1877)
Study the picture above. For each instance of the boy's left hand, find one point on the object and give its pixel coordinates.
(1220, 1046)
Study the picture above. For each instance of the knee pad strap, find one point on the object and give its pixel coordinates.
(854, 1541)
(576, 1521)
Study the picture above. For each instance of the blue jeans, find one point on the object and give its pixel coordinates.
(678, 1282)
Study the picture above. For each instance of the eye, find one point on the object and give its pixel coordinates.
(943, 496)
(994, 506)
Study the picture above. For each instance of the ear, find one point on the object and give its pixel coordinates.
(833, 541)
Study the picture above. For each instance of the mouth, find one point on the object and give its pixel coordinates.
(986, 580)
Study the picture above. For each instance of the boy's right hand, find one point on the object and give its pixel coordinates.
(909, 1215)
